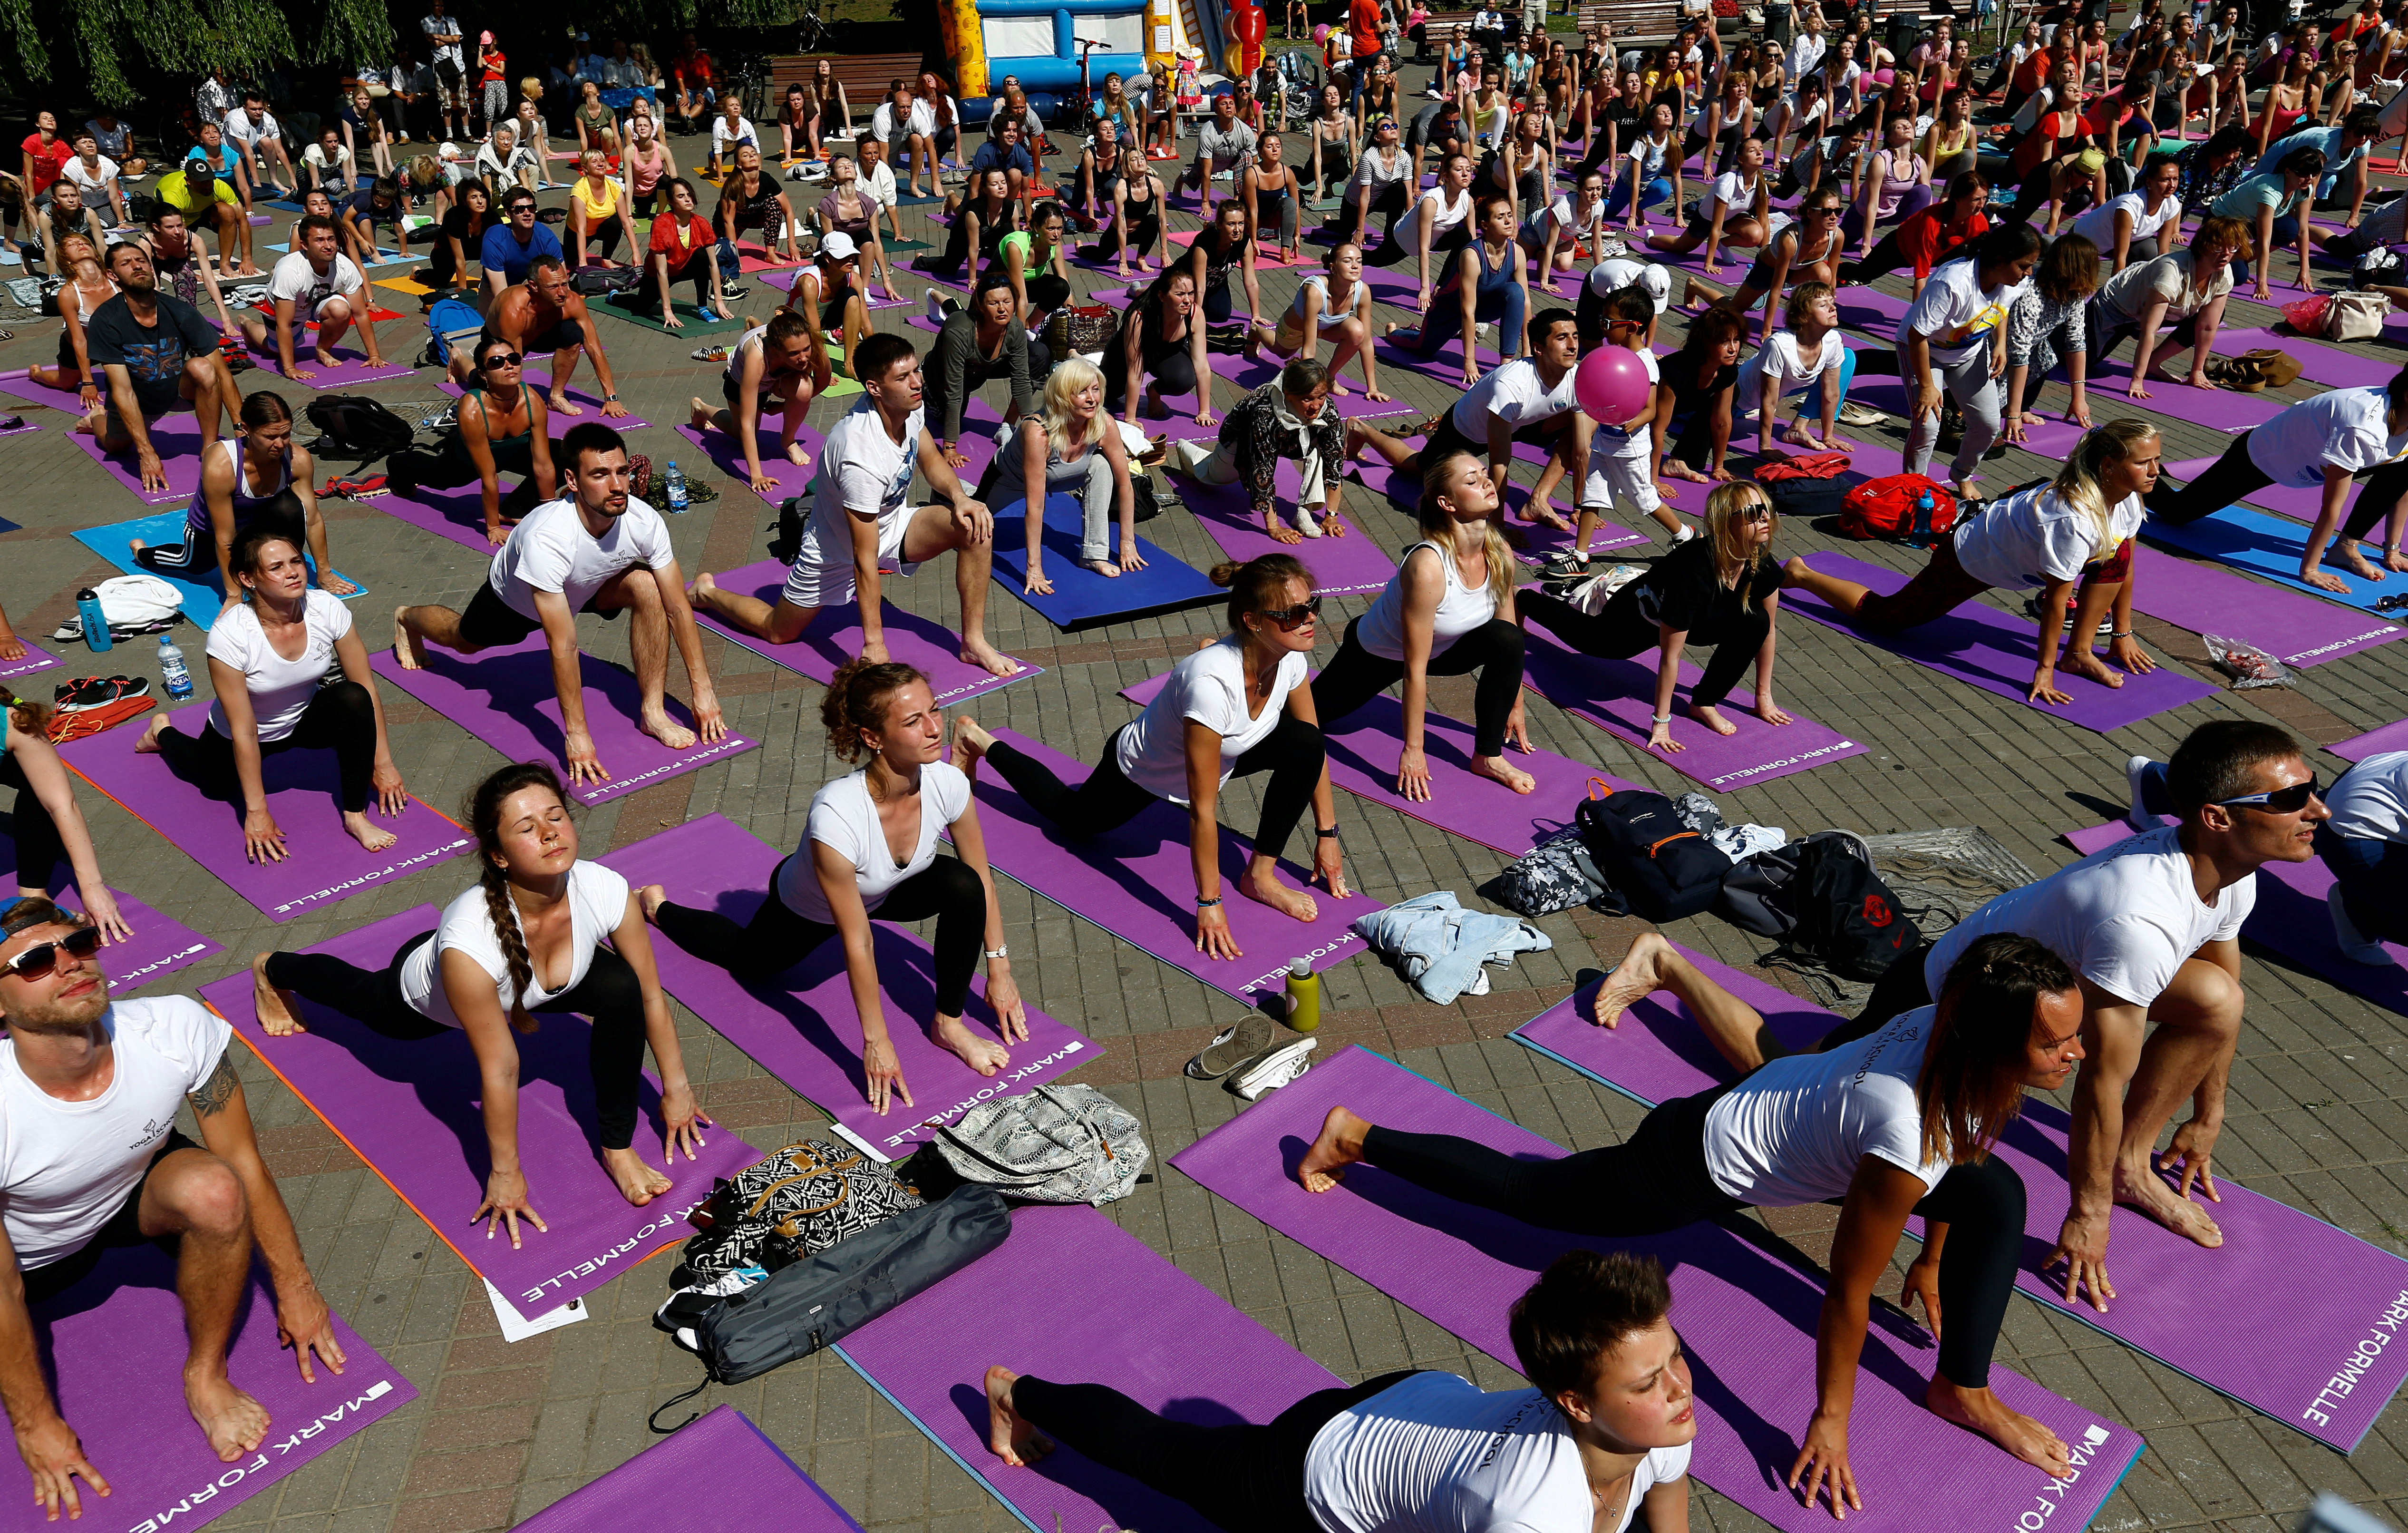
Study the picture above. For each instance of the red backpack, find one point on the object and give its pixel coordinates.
(1903, 507)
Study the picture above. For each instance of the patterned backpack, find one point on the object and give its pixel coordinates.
(791, 1206)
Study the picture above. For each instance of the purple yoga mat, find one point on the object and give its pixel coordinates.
(505, 697)
(802, 1026)
(1619, 698)
(2226, 410)
(1983, 647)
(1191, 1357)
(1138, 883)
(116, 1342)
(2391, 737)
(1657, 1053)
(1340, 566)
(579, 394)
(1266, 250)
(1248, 376)
(325, 864)
(176, 440)
(714, 1474)
(36, 659)
(158, 947)
(413, 1110)
(457, 514)
(1747, 1320)
(351, 367)
(23, 387)
(2205, 598)
(835, 637)
(2332, 367)
(789, 478)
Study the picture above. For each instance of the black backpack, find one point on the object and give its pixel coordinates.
(1644, 847)
(353, 425)
(1847, 918)
(1761, 891)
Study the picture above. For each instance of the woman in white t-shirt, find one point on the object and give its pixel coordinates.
(1732, 210)
(2077, 530)
(1953, 339)
(1896, 1123)
(1572, 227)
(2125, 228)
(1811, 351)
(527, 940)
(870, 851)
(269, 653)
(1233, 708)
(1599, 1440)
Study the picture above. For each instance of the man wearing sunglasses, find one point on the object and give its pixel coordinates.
(91, 1160)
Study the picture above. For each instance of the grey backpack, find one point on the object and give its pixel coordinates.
(1055, 1144)
(1554, 875)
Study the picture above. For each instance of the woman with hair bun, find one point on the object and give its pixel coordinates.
(527, 940)
(1232, 709)
(869, 849)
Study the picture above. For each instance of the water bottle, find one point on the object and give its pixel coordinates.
(1919, 536)
(675, 481)
(1303, 995)
(96, 627)
(173, 678)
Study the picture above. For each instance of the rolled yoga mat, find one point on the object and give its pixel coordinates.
(158, 947)
(802, 1027)
(714, 1474)
(2269, 547)
(116, 1345)
(835, 637)
(1983, 647)
(201, 599)
(1657, 1053)
(1747, 1319)
(1138, 883)
(505, 697)
(36, 659)
(1081, 598)
(789, 478)
(413, 1110)
(323, 864)
(2204, 599)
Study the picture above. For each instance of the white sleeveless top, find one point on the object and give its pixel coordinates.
(1460, 610)
(1448, 214)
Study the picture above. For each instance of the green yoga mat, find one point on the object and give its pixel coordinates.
(699, 321)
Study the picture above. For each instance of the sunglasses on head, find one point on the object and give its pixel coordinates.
(1292, 618)
(2290, 800)
(42, 957)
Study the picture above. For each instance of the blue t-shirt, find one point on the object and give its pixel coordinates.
(2326, 140)
(503, 252)
(992, 155)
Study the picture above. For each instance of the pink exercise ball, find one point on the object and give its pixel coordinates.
(1321, 33)
(1613, 386)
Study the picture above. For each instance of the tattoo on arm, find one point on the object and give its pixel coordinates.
(219, 1089)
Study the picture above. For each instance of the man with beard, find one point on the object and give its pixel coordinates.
(157, 353)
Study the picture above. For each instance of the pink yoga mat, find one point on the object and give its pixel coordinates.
(580, 394)
(790, 478)
(505, 697)
(1983, 647)
(835, 637)
(1657, 1053)
(1619, 698)
(1138, 883)
(2391, 737)
(714, 1474)
(115, 1343)
(1747, 1319)
(36, 659)
(2203, 598)
(414, 1111)
(802, 1026)
(1340, 566)
(324, 864)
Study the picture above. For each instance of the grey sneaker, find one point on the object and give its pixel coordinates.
(1274, 1069)
(1231, 1048)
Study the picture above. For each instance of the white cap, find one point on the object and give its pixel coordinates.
(839, 246)
(1622, 271)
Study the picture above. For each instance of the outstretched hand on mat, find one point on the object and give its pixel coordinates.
(55, 1454)
(262, 841)
(506, 1203)
(2082, 1251)
(1823, 1464)
(1923, 1281)
(99, 904)
(682, 1120)
(884, 1074)
(304, 1324)
(583, 765)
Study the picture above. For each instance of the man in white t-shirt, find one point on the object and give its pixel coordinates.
(252, 128)
(598, 548)
(317, 284)
(91, 1160)
(861, 525)
(449, 70)
(908, 127)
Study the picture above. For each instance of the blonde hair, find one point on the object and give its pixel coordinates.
(2078, 482)
(1439, 525)
(1728, 530)
(1069, 378)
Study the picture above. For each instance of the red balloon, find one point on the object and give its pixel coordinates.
(1613, 385)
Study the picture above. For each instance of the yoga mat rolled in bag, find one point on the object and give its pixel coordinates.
(710, 1476)
(413, 1110)
(1080, 599)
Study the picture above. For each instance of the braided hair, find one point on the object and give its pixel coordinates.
(483, 812)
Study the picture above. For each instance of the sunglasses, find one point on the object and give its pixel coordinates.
(2290, 800)
(1757, 512)
(503, 359)
(42, 957)
(1292, 618)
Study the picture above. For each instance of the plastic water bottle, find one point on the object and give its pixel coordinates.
(173, 678)
(1303, 995)
(96, 627)
(675, 481)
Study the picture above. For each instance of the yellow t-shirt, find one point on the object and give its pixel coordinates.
(596, 213)
(176, 191)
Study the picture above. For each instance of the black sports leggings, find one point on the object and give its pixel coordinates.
(1621, 631)
(1657, 1180)
(609, 995)
(1244, 1478)
(1291, 754)
(448, 465)
(1494, 649)
(283, 511)
(2235, 474)
(39, 847)
(777, 939)
(1393, 199)
(341, 718)
(1145, 231)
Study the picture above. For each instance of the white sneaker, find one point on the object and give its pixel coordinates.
(1305, 523)
(935, 306)
(1685, 533)
(2355, 945)
(2136, 815)
(1274, 1069)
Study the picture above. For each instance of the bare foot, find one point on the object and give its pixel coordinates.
(148, 744)
(698, 412)
(667, 730)
(1711, 720)
(278, 1016)
(1640, 975)
(701, 586)
(1497, 769)
(135, 546)
(1263, 888)
(639, 1184)
(2144, 1193)
(982, 1054)
(970, 741)
(1339, 1145)
(234, 1422)
(979, 652)
(561, 406)
(408, 652)
(2359, 565)
(1983, 1412)
(2082, 663)
(652, 896)
(371, 836)
(1012, 1440)
(1101, 567)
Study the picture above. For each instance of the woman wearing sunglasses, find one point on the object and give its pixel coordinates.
(1448, 611)
(499, 425)
(1236, 708)
(1722, 589)
(48, 826)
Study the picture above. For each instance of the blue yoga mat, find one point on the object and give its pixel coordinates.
(202, 599)
(1082, 598)
(2267, 546)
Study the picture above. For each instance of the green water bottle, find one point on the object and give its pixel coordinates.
(1303, 995)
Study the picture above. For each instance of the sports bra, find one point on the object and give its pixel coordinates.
(241, 501)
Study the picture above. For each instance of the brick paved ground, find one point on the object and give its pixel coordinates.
(500, 1431)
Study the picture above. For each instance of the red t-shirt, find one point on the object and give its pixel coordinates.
(678, 243)
(694, 68)
(1363, 21)
(1924, 237)
(47, 161)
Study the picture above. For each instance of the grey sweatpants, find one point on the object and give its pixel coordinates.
(1976, 392)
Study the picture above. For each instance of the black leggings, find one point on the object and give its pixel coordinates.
(282, 511)
(1494, 649)
(1393, 250)
(1657, 1181)
(1046, 294)
(341, 718)
(39, 847)
(2234, 475)
(1393, 199)
(1291, 754)
(1621, 631)
(450, 465)
(698, 270)
(609, 995)
(1145, 232)
(1241, 1477)
(777, 939)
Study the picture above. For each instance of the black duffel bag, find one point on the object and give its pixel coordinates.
(1643, 846)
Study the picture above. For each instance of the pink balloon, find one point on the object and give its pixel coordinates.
(1613, 385)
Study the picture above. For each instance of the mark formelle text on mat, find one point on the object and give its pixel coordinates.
(2384, 1331)
(234, 1474)
(2046, 1501)
(1000, 1086)
(637, 1244)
